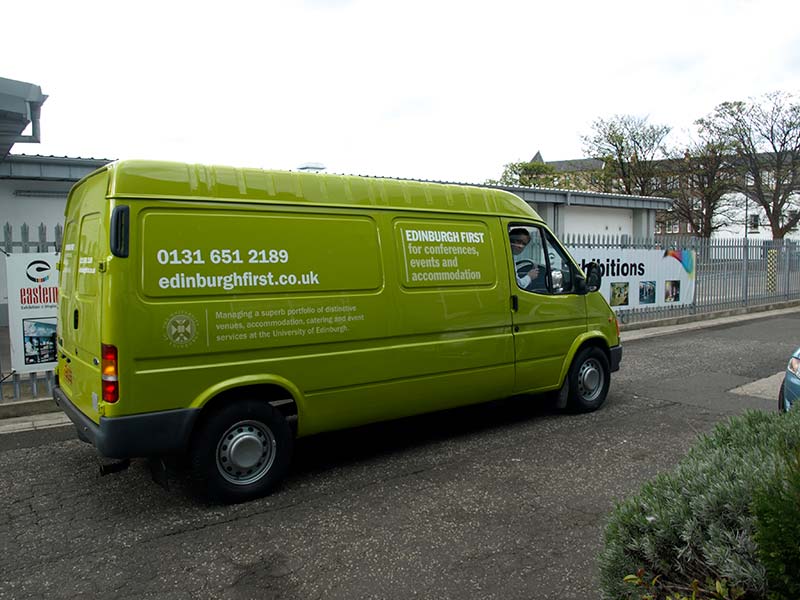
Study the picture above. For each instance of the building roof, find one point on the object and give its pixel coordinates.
(536, 195)
(72, 169)
(48, 168)
(578, 164)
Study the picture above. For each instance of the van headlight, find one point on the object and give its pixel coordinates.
(794, 366)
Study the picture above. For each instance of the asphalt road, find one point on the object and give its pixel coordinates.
(505, 500)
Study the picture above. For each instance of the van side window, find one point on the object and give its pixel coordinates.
(540, 264)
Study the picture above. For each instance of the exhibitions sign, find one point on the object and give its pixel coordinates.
(642, 278)
(32, 309)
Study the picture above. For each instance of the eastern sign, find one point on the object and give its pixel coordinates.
(642, 278)
(32, 309)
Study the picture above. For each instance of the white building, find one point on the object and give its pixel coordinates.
(34, 188)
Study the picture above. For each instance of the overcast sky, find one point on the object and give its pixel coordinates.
(422, 89)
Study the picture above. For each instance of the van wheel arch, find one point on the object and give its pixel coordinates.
(276, 395)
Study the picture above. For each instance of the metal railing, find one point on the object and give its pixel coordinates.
(16, 386)
(730, 273)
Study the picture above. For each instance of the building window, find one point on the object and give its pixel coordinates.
(673, 227)
(659, 228)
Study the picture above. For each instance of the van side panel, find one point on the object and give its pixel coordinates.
(322, 299)
(451, 322)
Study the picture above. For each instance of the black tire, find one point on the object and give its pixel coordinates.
(588, 379)
(241, 451)
(781, 402)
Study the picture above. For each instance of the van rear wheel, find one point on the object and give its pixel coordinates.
(241, 451)
(589, 378)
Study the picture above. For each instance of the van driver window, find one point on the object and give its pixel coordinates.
(541, 266)
(529, 261)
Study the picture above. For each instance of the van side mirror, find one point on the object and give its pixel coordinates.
(557, 278)
(593, 277)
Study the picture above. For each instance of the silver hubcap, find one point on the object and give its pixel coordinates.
(246, 452)
(590, 380)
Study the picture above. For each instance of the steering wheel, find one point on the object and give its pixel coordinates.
(523, 267)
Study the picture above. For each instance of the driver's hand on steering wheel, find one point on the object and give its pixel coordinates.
(533, 273)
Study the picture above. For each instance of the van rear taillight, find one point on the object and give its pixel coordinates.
(108, 369)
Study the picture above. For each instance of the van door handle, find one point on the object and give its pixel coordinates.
(75, 319)
(514, 303)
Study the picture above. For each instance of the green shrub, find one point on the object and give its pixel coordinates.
(692, 531)
(777, 510)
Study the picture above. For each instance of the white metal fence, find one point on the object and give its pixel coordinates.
(730, 273)
(14, 386)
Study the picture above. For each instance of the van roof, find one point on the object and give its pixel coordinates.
(142, 179)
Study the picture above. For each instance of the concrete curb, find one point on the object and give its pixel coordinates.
(26, 408)
(720, 314)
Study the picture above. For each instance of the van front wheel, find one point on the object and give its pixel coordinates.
(241, 451)
(588, 380)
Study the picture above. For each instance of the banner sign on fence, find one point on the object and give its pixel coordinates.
(642, 278)
(32, 310)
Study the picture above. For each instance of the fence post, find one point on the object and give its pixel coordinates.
(7, 241)
(58, 232)
(42, 237)
(772, 270)
(24, 233)
(744, 270)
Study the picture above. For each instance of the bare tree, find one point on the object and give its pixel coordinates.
(765, 136)
(705, 176)
(632, 149)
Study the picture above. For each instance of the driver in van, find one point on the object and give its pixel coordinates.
(523, 255)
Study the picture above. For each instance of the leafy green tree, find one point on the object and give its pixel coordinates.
(703, 178)
(633, 151)
(764, 134)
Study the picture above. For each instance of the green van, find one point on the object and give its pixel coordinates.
(220, 313)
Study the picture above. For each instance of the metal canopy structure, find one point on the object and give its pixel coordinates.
(20, 105)
(48, 168)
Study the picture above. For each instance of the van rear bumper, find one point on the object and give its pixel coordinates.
(151, 434)
(616, 358)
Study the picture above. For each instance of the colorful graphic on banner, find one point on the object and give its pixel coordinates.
(642, 278)
(32, 310)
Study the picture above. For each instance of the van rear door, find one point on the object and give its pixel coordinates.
(80, 297)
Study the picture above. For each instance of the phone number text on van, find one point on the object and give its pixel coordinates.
(223, 256)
